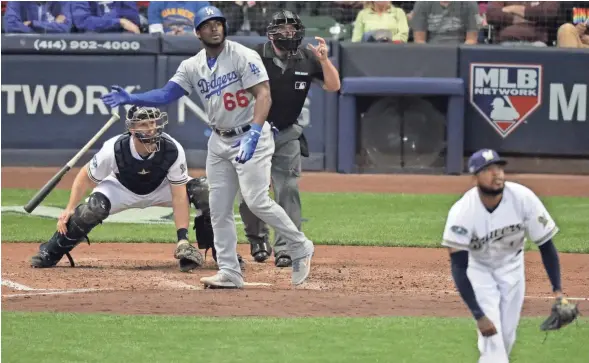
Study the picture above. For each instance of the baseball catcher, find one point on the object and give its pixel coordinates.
(140, 168)
(563, 313)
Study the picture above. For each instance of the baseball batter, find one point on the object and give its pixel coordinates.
(141, 168)
(485, 233)
(232, 83)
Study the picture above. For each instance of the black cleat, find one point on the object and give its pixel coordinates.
(260, 251)
(281, 259)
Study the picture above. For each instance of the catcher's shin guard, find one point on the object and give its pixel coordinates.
(203, 230)
(239, 258)
(205, 238)
(51, 252)
(86, 216)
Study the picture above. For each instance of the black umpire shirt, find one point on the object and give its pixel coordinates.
(290, 81)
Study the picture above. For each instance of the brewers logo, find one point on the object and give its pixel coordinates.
(505, 94)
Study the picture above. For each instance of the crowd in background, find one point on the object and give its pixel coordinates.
(509, 23)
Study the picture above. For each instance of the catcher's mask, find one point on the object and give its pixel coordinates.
(147, 125)
(286, 31)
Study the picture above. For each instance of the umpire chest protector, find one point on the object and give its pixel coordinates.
(143, 176)
(290, 81)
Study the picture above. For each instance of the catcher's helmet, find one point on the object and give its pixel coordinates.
(286, 41)
(207, 13)
(139, 122)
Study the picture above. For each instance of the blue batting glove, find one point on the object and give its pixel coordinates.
(247, 144)
(118, 97)
(275, 131)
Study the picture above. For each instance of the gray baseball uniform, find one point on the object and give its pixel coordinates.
(223, 92)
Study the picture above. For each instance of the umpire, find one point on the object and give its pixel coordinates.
(291, 69)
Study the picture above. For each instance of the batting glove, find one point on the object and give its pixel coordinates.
(247, 144)
(116, 98)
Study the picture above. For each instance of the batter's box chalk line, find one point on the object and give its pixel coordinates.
(31, 291)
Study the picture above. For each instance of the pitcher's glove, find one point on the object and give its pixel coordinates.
(189, 256)
(563, 313)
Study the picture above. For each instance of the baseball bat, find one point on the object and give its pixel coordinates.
(50, 185)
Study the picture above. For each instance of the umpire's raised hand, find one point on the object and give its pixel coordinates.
(118, 97)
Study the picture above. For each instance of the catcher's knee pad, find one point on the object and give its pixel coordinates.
(86, 216)
(198, 193)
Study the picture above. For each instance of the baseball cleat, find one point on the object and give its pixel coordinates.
(261, 256)
(221, 281)
(281, 259)
(260, 251)
(301, 268)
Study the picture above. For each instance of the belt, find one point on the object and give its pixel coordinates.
(282, 127)
(232, 132)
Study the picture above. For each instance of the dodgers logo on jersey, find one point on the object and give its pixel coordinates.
(217, 84)
(505, 94)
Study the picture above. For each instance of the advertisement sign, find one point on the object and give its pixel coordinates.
(526, 101)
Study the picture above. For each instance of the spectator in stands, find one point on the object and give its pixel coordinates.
(247, 17)
(574, 33)
(37, 17)
(521, 22)
(106, 16)
(445, 22)
(173, 17)
(344, 12)
(380, 21)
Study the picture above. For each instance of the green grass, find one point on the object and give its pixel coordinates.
(333, 218)
(37, 337)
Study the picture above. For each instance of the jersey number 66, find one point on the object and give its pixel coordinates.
(229, 100)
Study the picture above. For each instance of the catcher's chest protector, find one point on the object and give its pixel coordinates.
(143, 176)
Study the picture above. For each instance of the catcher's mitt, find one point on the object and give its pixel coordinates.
(189, 256)
(563, 313)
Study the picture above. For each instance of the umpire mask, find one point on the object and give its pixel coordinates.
(147, 125)
(286, 31)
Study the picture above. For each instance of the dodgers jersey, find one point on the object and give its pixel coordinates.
(497, 237)
(104, 164)
(223, 88)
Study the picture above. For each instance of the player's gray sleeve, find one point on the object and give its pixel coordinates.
(251, 68)
(182, 76)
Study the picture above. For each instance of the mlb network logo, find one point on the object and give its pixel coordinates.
(505, 94)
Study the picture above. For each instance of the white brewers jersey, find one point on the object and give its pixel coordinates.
(104, 164)
(223, 89)
(495, 238)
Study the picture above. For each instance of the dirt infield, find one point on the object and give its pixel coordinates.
(345, 281)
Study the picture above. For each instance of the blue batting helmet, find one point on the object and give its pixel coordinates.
(207, 13)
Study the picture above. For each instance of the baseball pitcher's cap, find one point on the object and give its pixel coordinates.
(483, 158)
